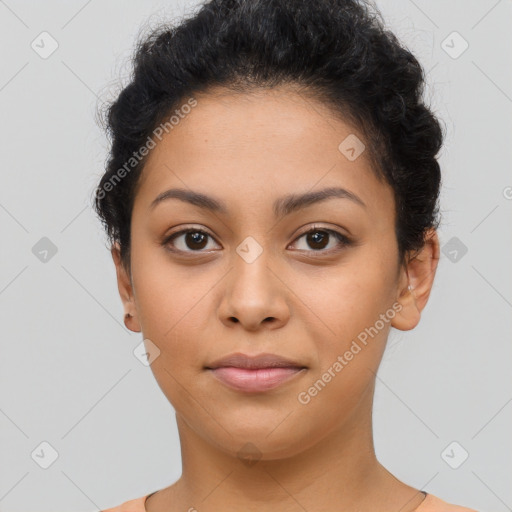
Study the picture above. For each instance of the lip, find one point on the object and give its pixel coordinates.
(259, 361)
(254, 374)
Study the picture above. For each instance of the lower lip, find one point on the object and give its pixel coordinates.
(254, 380)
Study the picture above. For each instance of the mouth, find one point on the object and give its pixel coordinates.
(254, 374)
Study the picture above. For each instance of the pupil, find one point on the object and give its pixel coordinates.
(315, 239)
(196, 238)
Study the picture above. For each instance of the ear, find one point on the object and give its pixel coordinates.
(416, 281)
(125, 288)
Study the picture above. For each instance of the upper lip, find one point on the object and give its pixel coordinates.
(240, 360)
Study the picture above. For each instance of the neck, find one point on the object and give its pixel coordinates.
(339, 472)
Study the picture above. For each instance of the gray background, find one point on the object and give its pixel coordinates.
(68, 374)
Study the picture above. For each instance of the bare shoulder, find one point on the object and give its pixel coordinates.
(134, 505)
(434, 504)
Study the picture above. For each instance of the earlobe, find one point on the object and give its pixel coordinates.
(124, 286)
(408, 315)
(131, 323)
(416, 283)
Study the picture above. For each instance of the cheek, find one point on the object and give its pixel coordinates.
(172, 304)
(349, 338)
(168, 296)
(347, 299)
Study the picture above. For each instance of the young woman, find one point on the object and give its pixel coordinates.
(272, 202)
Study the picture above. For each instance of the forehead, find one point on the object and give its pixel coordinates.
(257, 146)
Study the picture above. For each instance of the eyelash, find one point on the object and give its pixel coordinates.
(343, 241)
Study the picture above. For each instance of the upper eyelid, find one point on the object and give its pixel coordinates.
(342, 238)
(184, 231)
(310, 229)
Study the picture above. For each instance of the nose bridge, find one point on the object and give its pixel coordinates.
(253, 293)
(250, 276)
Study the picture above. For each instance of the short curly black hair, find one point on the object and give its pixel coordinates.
(337, 51)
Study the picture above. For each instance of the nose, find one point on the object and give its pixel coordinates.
(254, 296)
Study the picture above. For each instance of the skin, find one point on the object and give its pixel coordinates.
(300, 301)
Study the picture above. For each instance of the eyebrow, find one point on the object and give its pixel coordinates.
(282, 206)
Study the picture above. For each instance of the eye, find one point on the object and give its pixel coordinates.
(322, 240)
(196, 240)
(188, 240)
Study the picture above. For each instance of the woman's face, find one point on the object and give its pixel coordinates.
(255, 282)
